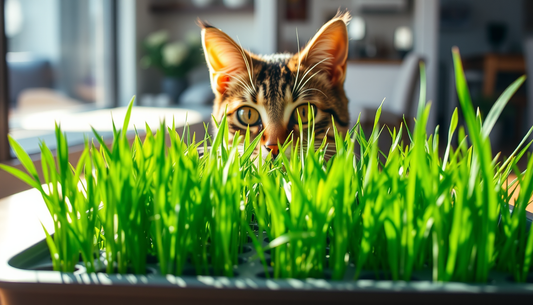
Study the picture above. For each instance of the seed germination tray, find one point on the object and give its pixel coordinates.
(37, 283)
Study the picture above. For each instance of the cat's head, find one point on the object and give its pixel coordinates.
(267, 92)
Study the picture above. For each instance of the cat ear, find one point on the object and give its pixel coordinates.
(328, 49)
(224, 57)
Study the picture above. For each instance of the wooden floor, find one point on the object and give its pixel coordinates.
(515, 195)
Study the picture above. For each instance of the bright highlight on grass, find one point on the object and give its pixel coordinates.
(392, 212)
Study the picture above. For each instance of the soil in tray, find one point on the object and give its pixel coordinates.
(190, 271)
(77, 269)
(326, 275)
(249, 266)
(529, 279)
(149, 270)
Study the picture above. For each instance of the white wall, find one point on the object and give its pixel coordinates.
(266, 26)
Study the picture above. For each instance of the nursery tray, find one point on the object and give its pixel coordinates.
(33, 282)
(26, 278)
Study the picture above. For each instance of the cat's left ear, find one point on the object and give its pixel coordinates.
(328, 49)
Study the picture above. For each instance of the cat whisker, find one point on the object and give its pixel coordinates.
(309, 70)
(243, 85)
(299, 62)
(308, 79)
(246, 62)
(250, 72)
(313, 89)
(303, 96)
(245, 89)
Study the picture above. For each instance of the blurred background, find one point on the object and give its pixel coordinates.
(73, 61)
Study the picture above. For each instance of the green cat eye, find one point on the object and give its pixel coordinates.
(304, 112)
(248, 116)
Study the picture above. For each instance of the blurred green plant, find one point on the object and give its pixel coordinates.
(174, 59)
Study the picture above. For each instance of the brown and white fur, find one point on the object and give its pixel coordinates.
(275, 85)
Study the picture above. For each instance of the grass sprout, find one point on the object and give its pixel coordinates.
(194, 204)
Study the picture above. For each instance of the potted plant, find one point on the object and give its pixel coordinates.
(175, 59)
(151, 221)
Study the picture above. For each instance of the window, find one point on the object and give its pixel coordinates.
(61, 63)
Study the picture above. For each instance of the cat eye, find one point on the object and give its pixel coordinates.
(248, 116)
(305, 111)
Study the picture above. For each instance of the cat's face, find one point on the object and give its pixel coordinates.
(268, 92)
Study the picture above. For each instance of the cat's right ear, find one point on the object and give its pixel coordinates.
(224, 57)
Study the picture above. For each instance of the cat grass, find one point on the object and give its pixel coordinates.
(190, 202)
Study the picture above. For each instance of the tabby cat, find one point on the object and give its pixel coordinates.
(267, 92)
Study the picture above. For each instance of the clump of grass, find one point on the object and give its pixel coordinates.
(194, 204)
(123, 186)
(70, 201)
(199, 203)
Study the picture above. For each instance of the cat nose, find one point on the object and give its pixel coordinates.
(273, 148)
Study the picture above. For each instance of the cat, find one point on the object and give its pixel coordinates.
(267, 92)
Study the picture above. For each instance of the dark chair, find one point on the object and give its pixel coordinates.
(529, 82)
(403, 96)
(27, 71)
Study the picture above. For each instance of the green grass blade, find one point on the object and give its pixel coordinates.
(500, 104)
(127, 118)
(21, 175)
(24, 158)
